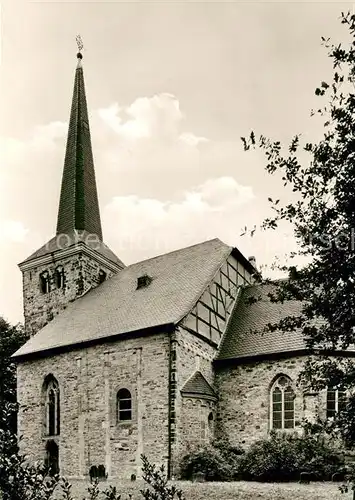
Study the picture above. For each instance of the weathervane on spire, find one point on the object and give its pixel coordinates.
(80, 45)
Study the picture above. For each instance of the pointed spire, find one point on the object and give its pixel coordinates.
(78, 205)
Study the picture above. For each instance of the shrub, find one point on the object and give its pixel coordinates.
(219, 462)
(66, 489)
(156, 478)
(283, 457)
(112, 494)
(208, 461)
(22, 481)
(229, 452)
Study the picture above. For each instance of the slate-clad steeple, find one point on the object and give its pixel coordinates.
(78, 205)
(76, 259)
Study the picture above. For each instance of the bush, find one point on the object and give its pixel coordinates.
(20, 480)
(23, 481)
(158, 483)
(283, 457)
(219, 462)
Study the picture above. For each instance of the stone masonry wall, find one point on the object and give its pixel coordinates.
(89, 380)
(244, 398)
(192, 354)
(197, 429)
(80, 274)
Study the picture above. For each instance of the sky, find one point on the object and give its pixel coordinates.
(171, 87)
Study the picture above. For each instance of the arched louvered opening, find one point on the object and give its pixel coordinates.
(44, 282)
(59, 277)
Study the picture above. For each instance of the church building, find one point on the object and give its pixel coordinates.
(157, 357)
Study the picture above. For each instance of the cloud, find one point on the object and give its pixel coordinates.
(14, 151)
(30, 174)
(138, 228)
(225, 191)
(161, 187)
(146, 136)
(191, 139)
(157, 116)
(141, 226)
(45, 136)
(12, 231)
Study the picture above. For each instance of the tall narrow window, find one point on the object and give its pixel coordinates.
(210, 424)
(336, 402)
(124, 405)
(203, 429)
(59, 277)
(52, 458)
(44, 282)
(52, 406)
(282, 404)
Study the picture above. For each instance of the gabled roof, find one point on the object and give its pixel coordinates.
(78, 205)
(197, 385)
(117, 307)
(62, 241)
(244, 336)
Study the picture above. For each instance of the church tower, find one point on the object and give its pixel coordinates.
(76, 259)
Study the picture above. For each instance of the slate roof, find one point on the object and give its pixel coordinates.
(78, 205)
(244, 337)
(63, 241)
(116, 306)
(197, 384)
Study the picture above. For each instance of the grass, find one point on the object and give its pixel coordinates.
(234, 491)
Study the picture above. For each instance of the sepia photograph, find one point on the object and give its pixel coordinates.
(177, 250)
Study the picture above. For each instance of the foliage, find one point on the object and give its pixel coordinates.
(13, 468)
(321, 208)
(281, 457)
(229, 451)
(93, 490)
(66, 489)
(11, 339)
(22, 481)
(208, 461)
(112, 494)
(219, 462)
(284, 456)
(157, 480)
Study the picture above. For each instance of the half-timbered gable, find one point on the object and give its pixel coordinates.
(212, 311)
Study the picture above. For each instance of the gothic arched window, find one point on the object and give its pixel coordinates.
(124, 405)
(52, 407)
(44, 282)
(59, 277)
(336, 401)
(282, 404)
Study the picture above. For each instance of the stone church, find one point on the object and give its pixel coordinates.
(156, 357)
